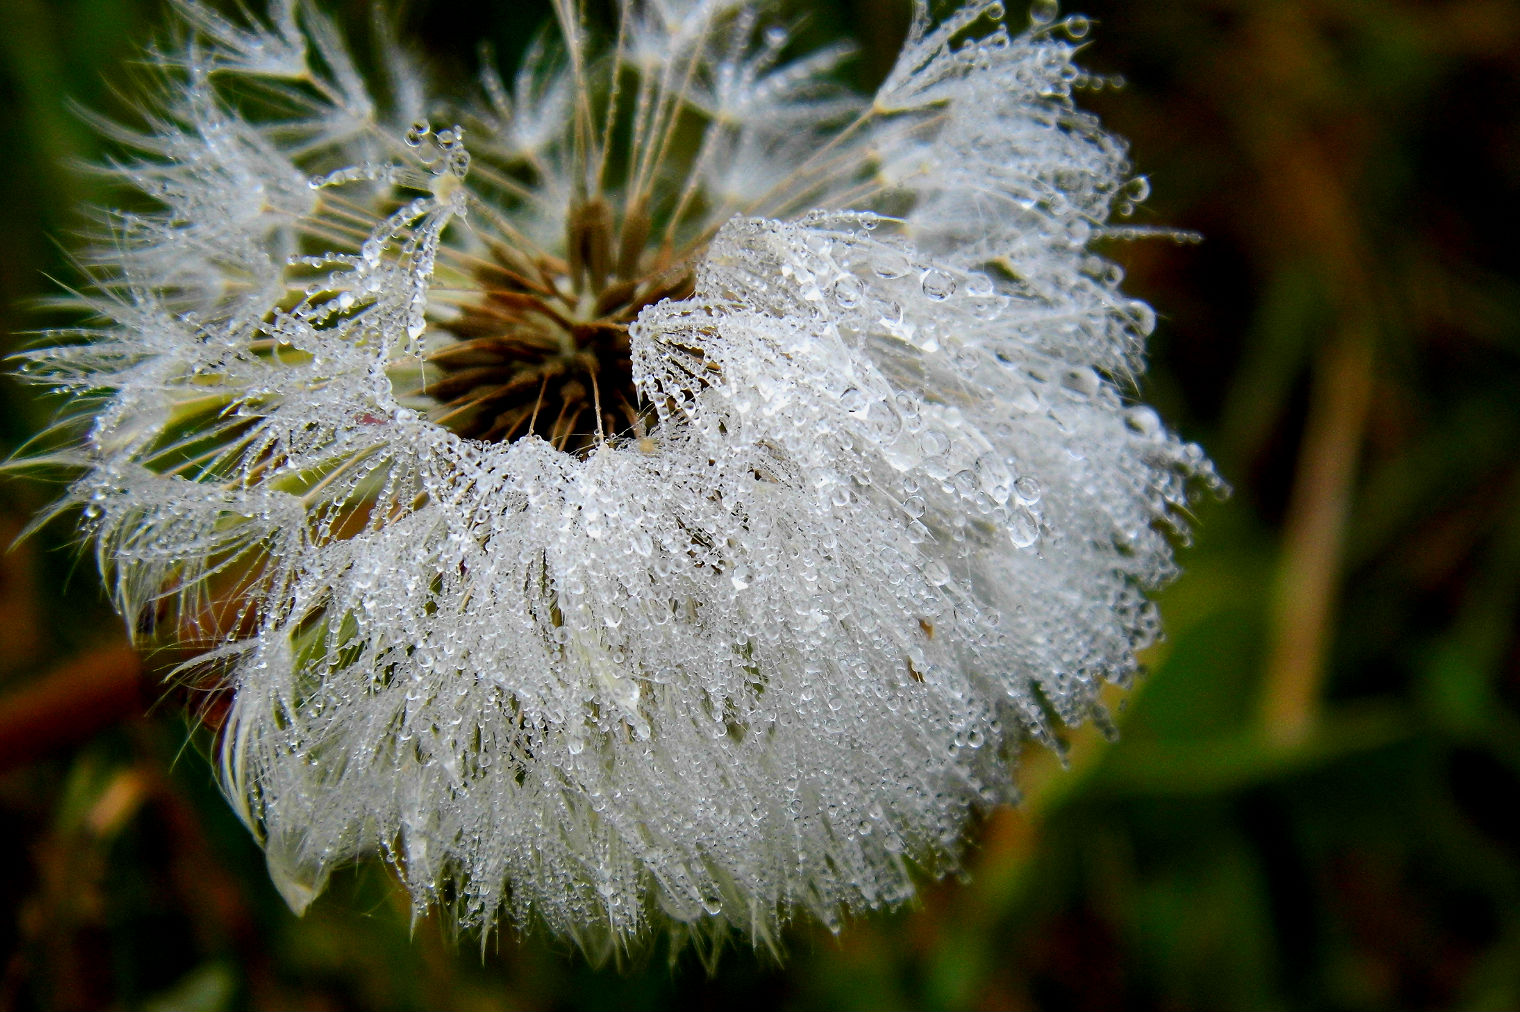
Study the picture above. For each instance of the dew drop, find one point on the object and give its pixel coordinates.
(890, 264)
(938, 285)
(1082, 382)
(885, 422)
(1144, 317)
(1143, 421)
(1043, 12)
(298, 878)
(1023, 528)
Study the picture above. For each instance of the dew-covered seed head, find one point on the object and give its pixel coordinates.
(657, 490)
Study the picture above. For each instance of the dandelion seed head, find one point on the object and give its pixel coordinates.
(660, 492)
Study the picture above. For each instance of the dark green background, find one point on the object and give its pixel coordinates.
(1313, 801)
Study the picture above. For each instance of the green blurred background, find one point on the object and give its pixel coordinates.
(1307, 806)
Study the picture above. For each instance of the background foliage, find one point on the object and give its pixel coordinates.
(1307, 804)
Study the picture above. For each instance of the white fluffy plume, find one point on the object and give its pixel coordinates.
(752, 633)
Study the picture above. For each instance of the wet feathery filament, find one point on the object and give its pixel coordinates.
(545, 347)
(900, 518)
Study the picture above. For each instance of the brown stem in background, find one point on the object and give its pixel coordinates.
(1304, 603)
(1307, 172)
(71, 704)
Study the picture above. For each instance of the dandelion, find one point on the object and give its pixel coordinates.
(662, 492)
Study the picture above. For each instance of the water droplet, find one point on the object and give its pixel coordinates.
(1043, 12)
(298, 877)
(890, 264)
(417, 133)
(938, 285)
(846, 292)
(1023, 528)
(1082, 381)
(1144, 317)
(1028, 490)
(1077, 26)
(885, 422)
(1143, 421)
